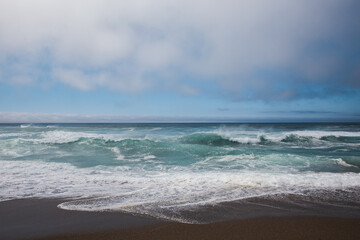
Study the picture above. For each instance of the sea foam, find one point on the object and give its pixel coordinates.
(162, 170)
(122, 188)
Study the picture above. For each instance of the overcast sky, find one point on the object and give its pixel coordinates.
(110, 60)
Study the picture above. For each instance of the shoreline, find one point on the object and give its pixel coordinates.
(41, 219)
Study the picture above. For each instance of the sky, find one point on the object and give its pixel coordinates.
(179, 60)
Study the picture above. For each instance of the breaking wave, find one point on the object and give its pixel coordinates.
(162, 170)
(218, 138)
(157, 193)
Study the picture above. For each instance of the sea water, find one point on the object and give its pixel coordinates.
(164, 170)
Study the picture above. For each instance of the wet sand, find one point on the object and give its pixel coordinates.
(31, 218)
(259, 228)
(41, 219)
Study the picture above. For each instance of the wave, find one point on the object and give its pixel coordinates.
(302, 137)
(293, 138)
(299, 138)
(216, 139)
(31, 125)
(167, 170)
(152, 192)
(342, 162)
(61, 137)
(117, 152)
(203, 138)
(11, 135)
(25, 125)
(341, 139)
(207, 139)
(319, 134)
(352, 160)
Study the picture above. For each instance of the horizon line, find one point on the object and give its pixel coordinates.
(189, 122)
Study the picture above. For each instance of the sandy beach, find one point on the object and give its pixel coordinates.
(41, 219)
(32, 218)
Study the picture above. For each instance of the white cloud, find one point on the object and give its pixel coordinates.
(76, 78)
(132, 45)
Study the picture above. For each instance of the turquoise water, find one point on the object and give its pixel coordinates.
(154, 168)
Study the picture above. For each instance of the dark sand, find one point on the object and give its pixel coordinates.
(41, 219)
(30, 218)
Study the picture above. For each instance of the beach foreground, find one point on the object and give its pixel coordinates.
(41, 219)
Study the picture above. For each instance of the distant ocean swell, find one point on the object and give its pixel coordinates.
(163, 170)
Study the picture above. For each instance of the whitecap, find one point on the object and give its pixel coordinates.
(116, 150)
(340, 161)
(145, 191)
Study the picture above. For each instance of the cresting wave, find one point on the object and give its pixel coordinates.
(203, 138)
(164, 170)
(36, 126)
(211, 147)
(157, 193)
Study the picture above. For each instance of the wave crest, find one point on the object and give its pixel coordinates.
(211, 139)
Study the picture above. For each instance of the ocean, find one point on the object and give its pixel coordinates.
(182, 171)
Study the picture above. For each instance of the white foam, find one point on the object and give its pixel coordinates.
(239, 135)
(36, 126)
(319, 134)
(10, 153)
(68, 137)
(245, 139)
(58, 136)
(147, 157)
(343, 163)
(126, 188)
(156, 129)
(15, 134)
(116, 150)
(245, 136)
(230, 158)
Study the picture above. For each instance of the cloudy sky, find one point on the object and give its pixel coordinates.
(179, 60)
